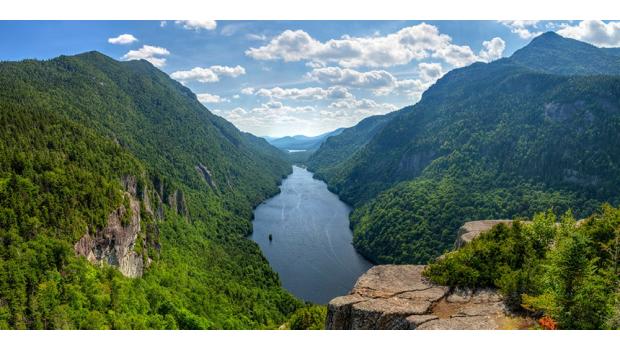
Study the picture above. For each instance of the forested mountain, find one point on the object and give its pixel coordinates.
(302, 142)
(552, 53)
(117, 162)
(336, 150)
(498, 140)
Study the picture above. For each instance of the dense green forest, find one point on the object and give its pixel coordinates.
(71, 129)
(566, 271)
(499, 140)
(325, 161)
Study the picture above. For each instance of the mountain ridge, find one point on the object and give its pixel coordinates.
(490, 140)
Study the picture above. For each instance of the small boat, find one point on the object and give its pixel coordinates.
(270, 237)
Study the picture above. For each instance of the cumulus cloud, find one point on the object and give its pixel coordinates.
(430, 72)
(274, 117)
(525, 29)
(209, 98)
(123, 39)
(150, 53)
(350, 77)
(209, 74)
(410, 43)
(197, 25)
(594, 32)
(379, 81)
(311, 93)
(247, 91)
(493, 49)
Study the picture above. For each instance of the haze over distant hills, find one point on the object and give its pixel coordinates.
(301, 142)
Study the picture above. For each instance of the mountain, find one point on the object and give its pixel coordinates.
(339, 148)
(124, 203)
(499, 140)
(302, 142)
(551, 53)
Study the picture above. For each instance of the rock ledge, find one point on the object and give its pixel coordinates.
(399, 297)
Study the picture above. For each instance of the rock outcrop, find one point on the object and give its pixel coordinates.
(114, 244)
(119, 243)
(399, 297)
(471, 230)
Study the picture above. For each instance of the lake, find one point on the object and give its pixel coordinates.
(311, 241)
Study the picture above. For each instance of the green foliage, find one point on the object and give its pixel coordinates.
(308, 318)
(70, 130)
(499, 140)
(544, 266)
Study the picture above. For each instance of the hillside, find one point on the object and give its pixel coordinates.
(338, 149)
(117, 162)
(494, 140)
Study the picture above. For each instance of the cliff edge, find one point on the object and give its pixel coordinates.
(399, 297)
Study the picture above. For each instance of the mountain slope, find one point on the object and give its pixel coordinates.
(339, 148)
(493, 140)
(88, 142)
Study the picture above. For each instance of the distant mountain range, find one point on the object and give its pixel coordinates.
(301, 142)
(509, 138)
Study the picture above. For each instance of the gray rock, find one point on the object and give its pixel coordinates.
(461, 323)
(399, 297)
(471, 230)
(114, 244)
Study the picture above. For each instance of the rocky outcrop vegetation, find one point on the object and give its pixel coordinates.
(206, 175)
(399, 297)
(471, 230)
(120, 244)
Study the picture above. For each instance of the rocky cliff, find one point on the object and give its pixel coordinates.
(120, 243)
(399, 297)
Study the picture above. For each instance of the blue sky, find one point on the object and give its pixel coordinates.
(296, 77)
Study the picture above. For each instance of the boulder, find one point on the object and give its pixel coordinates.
(470, 230)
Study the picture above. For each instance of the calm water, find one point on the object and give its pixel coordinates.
(311, 248)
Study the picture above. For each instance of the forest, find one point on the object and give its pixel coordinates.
(563, 271)
(71, 129)
(505, 139)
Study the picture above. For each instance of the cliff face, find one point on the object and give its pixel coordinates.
(399, 297)
(120, 244)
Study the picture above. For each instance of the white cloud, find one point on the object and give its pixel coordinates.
(312, 93)
(523, 28)
(150, 53)
(594, 32)
(353, 78)
(430, 72)
(247, 91)
(122, 39)
(259, 37)
(236, 96)
(410, 43)
(277, 118)
(493, 49)
(379, 81)
(198, 24)
(361, 105)
(208, 75)
(209, 98)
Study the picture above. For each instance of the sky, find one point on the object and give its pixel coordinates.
(277, 78)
